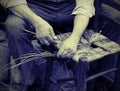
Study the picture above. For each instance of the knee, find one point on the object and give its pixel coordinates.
(13, 24)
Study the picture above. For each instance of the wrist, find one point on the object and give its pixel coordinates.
(37, 21)
(75, 37)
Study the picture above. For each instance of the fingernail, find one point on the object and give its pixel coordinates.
(54, 37)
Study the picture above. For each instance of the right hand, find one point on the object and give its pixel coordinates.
(45, 33)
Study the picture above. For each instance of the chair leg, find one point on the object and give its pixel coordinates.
(80, 70)
(117, 75)
(48, 73)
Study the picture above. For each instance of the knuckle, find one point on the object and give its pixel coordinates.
(50, 27)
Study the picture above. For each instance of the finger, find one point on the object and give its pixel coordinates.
(56, 46)
(65, 53)
(68, 53)
(52, 34)
(60, 52)
(44, 42)
(75, 58)
(50, 40)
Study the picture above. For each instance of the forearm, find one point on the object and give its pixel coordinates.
(83, 11)
(25, 12)
(80, 24)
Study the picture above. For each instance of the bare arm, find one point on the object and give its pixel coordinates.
(80, 24)
(44, 31)
(83, 11)
(25, 12)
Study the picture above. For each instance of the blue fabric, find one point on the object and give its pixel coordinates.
(58, 15)
(4, 56)
(51, 1)
(61, 70)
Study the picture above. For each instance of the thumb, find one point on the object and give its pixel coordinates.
(53, 34)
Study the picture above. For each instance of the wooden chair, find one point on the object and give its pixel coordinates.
(100, 47)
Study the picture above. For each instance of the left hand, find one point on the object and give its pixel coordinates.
(68, 47)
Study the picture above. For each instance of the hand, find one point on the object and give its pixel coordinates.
(68, 48)
(44, 33)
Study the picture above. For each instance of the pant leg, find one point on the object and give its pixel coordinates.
(19, 44)
(4, 56)
(61, 70)
(4, 60)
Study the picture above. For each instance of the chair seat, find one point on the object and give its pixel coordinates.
(93, 46)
